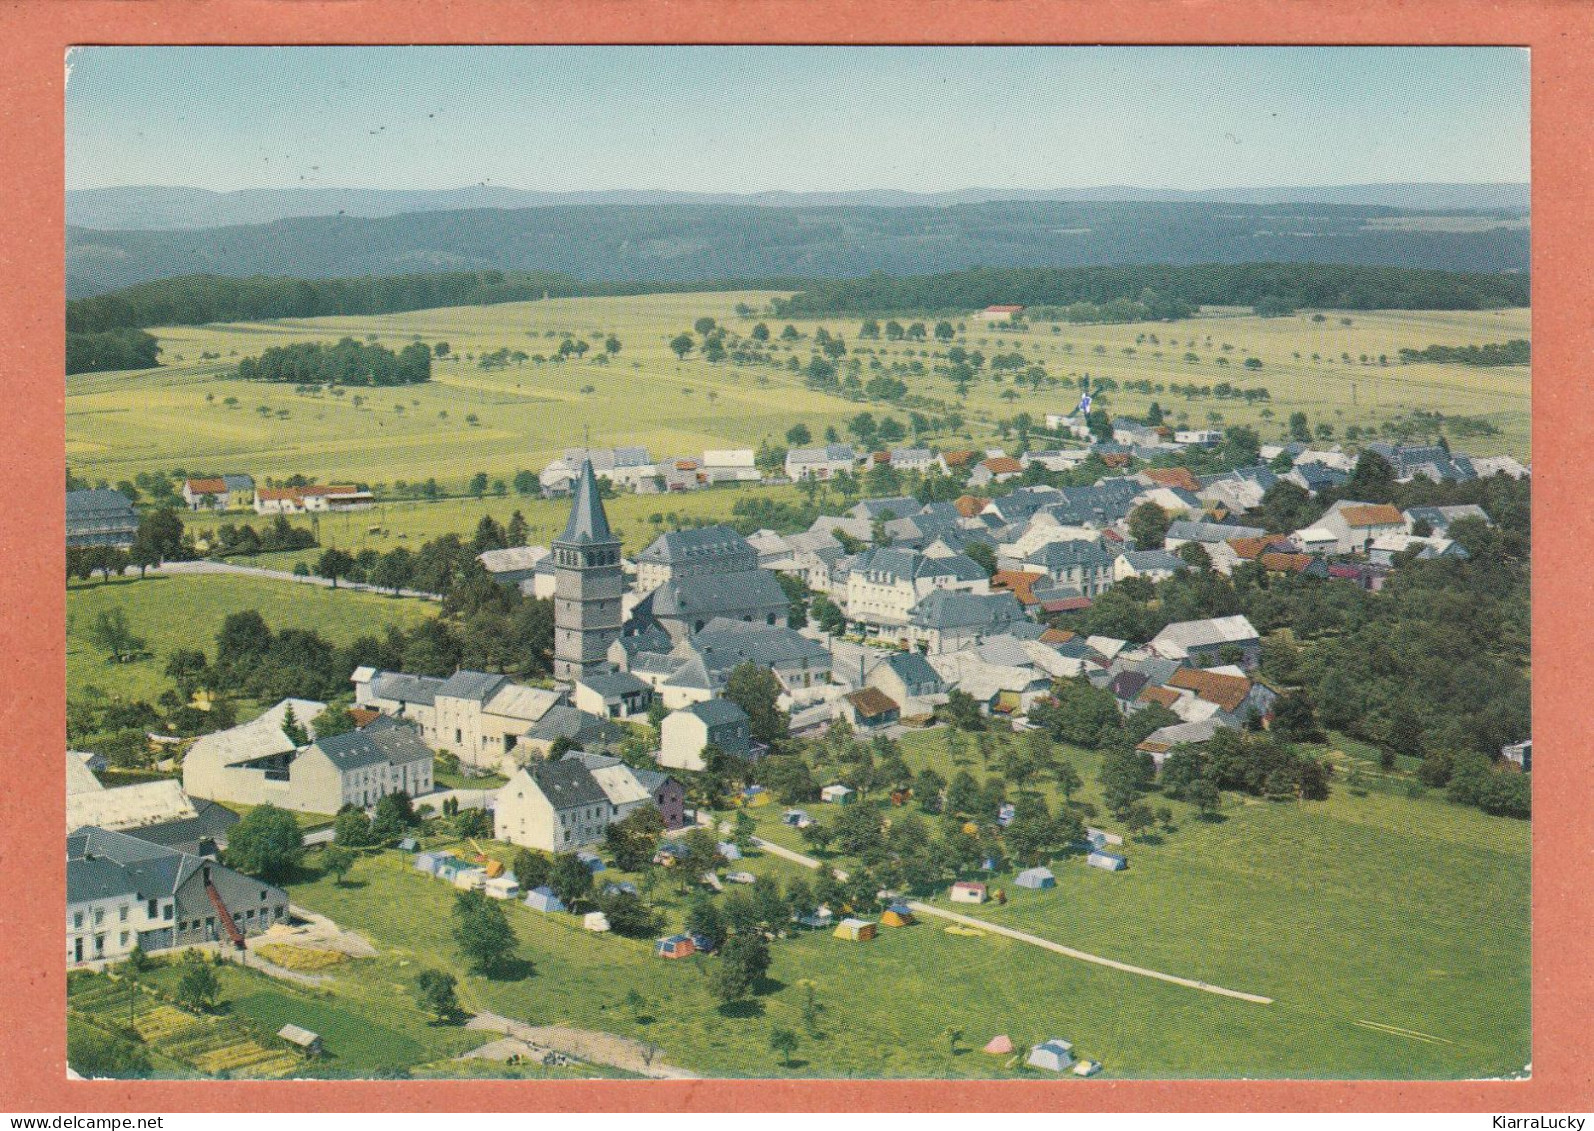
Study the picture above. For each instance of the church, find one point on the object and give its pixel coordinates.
(589, 584)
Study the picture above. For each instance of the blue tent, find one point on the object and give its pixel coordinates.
(1036, 878)
(592, 860)
(729, 850)
(544, 899)
(703, 943)
(1004, 815)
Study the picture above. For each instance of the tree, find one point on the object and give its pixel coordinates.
(293, 730)
(944, 331)
(628, 916)
(110, 631)
(570, 878)
(784, 1042)
(799, 435)
(199, 988)
(757, 691)
(483, 933)
(682, 344)
(266, 843)
(434, 992)
(1148, 526)
(531, 869)
(743, 962)
(634, 840)
(351, 827)
(334, 564)
(336, 862)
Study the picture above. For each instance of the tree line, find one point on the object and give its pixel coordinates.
(111, 349)
(1167, 289)
(347, 362)
(1518, 351)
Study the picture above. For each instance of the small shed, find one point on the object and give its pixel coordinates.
(968, 891)
(302, 1039)
(897, 915)
(1111, 861)
(1036, 878)
(544, 899)
(729, 850)
(592, 860)
(999, 1046)
(676, 946)
(1055, 1055)
(501, 887)
(855, 930)
(837, 794)
(595, 921)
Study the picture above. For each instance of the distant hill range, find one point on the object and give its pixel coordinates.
(158, 207)
(702, 241)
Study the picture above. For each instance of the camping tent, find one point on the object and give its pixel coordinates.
(676, 946)
(544, 899)
(729, 850)
(501, 887)
(1036, 878)
(623, 886)
(855, 930)
(999, 1046)
(897, 915)
(968, 891)
(1054, 1055)
(837, 794)
(1108, 860)
(430, 862)
(595, 921)
(592, 860)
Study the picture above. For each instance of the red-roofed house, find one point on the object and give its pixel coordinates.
(1001, 314)
(997, 469)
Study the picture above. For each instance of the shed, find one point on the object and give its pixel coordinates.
(302, 1039)
(1111, 861)
(968, 891)
(1055, 1055)
(676, 946)
(855, 930)
(729, 850)
(595, 921)
(592, 860)
(837, 794)
(897, 915)
(544, 899)
(999, 1046)
(1036, 878)
(501, 887)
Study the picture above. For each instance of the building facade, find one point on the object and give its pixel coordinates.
(588, 586)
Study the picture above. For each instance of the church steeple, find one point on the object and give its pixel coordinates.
(588, 523)
(589, 582)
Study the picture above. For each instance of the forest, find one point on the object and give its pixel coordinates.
(1518, 351)
(111, 349)
(347, 363)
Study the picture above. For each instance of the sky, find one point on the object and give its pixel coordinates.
(752, 119)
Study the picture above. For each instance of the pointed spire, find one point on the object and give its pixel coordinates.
(588, 522)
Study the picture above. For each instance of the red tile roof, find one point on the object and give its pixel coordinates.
(1173, 477)
(1285, 563)
(364, 716)
(970, 505)
(1003, 465)
(1380, 515)
(871, 702)
(958, 459)
(1167, 697)
(1116, 459)
(207, 486)
(1066, 605)
(1057, 636)
(1227, 691)
(1018, 582)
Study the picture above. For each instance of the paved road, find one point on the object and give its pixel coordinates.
(1034, 940)
(284, 575)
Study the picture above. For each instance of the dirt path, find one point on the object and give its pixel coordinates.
(1034, 940)
(584, 1044)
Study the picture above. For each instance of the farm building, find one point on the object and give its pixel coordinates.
(855, 930)
(1001, 1045)
(1055, 1055)
(1036, 878)
(1110, 861)
(897, 915)
(1001, 314)
(544, 899)
(676, 946)
(501, 887)
(595, 921)
(837, 794)
(869, 709)
(302, 1039)
(968, 891)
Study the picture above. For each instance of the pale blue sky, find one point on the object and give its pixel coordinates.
(748, 119)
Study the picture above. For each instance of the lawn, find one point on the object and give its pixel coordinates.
(177, 416)
(187, 612)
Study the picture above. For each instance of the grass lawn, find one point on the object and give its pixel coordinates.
(176, 416)
(187, 612)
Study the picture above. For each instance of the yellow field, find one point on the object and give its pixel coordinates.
(121, 423)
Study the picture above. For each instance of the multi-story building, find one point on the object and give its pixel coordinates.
(589, 584)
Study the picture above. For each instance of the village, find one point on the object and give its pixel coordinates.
(689, 675)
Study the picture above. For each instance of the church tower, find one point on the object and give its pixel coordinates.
(588, 584)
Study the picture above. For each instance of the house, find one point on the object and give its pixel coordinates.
(221, 492)
(630, 788)
(1313, 477)
(126, 807)
(869, 709)
(1202, 437)
(998, 469)
(904, 677)
(1160, 743)
(911, 459)
(947, 620)
(1055, 1055)
(820, 463)
(1055, 459)
(967, 891)
(543, 899)
(479, 717)
(1076, 563)
(1110, 861)
(99, 518)
(884, 585)
(730, 465)
(1439, 519)
(684, 605)
(696, 552)
(123, 892)
(1235, 696)
(553, 806)
(838, 794)
(855, 930)
(1036, 878)
(1001, 314)
(304, 1040)
(315, 497)
(1208, 534)
(1153, 565)
(676, 946)
(514, 564)
(1198, 641)
(884, 510)
(612, 695)
(685, 734)
(1355, 526)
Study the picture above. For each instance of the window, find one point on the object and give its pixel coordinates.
(122, 913)
(150, 909)
(124, 938)
(77, 920)
(99, 916)
(166, 913)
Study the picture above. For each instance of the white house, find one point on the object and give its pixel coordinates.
(686, 733)
(1356, 526)
(820, 463)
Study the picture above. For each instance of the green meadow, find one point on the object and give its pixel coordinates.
(118, 424)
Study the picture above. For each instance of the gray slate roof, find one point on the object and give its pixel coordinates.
(567, 784)
(400, 741)
(704, 542)
(717, 712)
(946, 608)
(480, 686)
(588, 524)
(353, 750)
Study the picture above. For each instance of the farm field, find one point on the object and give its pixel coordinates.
(171, 612)
(176, 416)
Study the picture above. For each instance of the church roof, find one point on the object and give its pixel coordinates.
(588, 524)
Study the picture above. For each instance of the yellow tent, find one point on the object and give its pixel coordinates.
(855, 930)
(895, 918)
